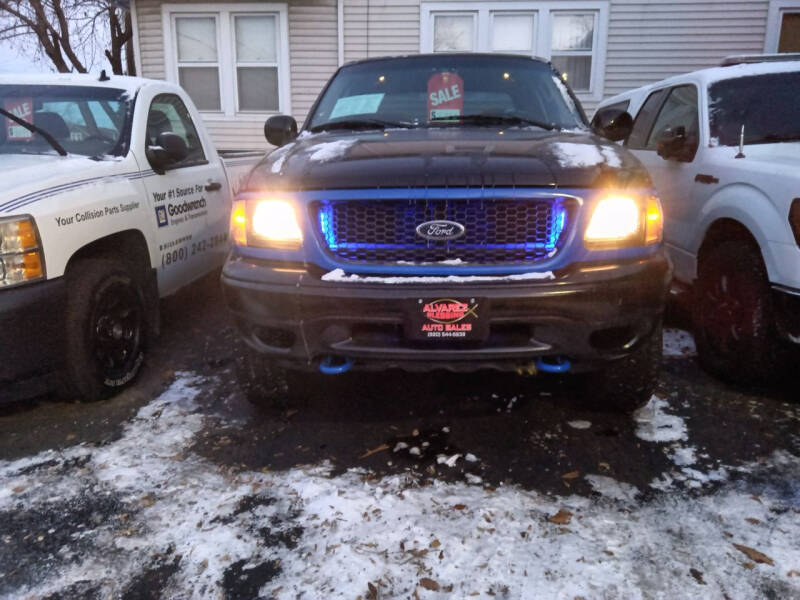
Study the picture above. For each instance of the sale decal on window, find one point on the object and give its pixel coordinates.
(445, 96)
(22, 108)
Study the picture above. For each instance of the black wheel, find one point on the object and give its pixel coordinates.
(733, 317)
(262, 381)
(106, 328)
(624, 385)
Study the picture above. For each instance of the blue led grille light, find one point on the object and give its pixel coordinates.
(498, 230)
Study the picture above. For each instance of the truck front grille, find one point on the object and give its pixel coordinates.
(496, 230)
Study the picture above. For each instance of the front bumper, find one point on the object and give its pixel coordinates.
(31, 337)
(589, 313)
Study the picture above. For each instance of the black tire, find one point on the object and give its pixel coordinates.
(625, 385)
(733, 315)
(262, 381)
(106, 328)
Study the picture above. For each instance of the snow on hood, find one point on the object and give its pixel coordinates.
(586, 155)
(448, 157)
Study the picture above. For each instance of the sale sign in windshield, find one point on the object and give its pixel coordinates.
(445, 96)
(22, 108)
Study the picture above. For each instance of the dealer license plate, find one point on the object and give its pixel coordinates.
(447, 319)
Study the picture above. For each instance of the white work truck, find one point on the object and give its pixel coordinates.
(722, 146)
(113, 196)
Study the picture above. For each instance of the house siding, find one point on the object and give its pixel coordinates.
(313, 58)
(647, 41)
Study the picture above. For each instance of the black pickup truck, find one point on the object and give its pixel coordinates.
(449, 212)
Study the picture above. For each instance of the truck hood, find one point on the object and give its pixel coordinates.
(447, 157)
(785, 154)
(27, 174)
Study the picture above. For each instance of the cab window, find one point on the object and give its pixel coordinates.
(644, 119)
(679, 110)
(168, 113)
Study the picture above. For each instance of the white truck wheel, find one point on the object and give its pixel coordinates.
(106, 328)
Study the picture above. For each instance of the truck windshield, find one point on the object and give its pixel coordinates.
(767, 106)
(88, 121)
(446, 90)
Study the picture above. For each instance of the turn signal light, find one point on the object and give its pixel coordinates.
(21, 259)
(239, 223)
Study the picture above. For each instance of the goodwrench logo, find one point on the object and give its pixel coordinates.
(440, 231)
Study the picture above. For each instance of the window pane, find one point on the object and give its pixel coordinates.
(453, 33)
(512, 33)
(573, 32)
(258, 88)
(202, 85)
(680, 110)
(790, 33)
(169, 113)
(766, 105)
(641, 126)
(197, 39)
(578, 70)
(255, 39)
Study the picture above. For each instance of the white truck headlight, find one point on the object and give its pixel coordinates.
(21, 259)
(620, 220)
(266, 223)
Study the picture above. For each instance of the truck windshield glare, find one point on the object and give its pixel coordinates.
(88, 121)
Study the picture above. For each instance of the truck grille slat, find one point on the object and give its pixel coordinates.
(496, 230)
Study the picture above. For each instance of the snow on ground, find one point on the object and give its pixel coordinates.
(103, 516)
(678, 342)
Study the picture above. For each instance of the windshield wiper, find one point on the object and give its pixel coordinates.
(360, 124)
(34, 129)
(479, 119)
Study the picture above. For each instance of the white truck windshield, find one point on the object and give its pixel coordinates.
(88, 121)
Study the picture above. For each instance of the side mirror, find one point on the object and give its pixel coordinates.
(169, 150)
(674, 143)
(614, 125)
(280, 130)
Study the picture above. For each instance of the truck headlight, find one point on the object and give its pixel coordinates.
(21, 259)
(265, 223)
(619, 221)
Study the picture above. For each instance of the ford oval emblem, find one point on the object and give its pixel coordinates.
(440, 231)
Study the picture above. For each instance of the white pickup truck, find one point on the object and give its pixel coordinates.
(113, 196)
(722, 146)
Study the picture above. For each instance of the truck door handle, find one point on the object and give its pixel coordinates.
(213, 186)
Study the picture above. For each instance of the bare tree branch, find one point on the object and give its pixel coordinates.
(71, 32)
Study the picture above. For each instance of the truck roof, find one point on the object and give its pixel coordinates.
(706, 77)
(130, 84)
(477, 55)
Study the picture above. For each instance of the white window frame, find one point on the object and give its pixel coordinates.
(226, 53)
(777, 8)
(543, 30)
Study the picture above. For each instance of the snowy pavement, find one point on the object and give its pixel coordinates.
(146, 514)
(395, 486)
